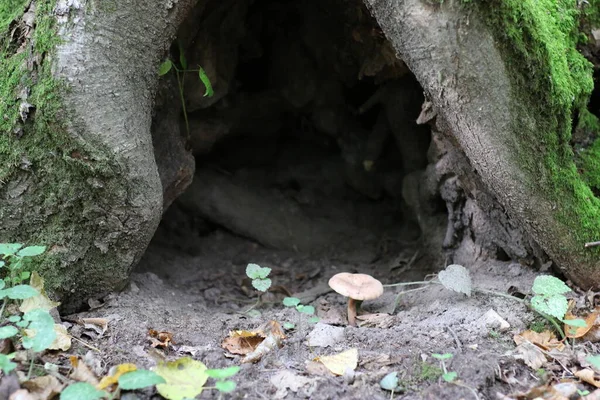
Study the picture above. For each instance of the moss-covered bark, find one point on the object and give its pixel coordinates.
(552, 83)
(77, 172)
(507, 80)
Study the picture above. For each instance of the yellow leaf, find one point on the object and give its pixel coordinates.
(62, 340)
(41, 300)
(113, 378)
(185, 378)
(339, 363)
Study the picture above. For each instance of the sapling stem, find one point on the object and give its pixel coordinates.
(410, 283)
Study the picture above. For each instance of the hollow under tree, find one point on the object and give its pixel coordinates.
(78, 171)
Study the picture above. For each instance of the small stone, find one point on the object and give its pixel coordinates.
(324, 335)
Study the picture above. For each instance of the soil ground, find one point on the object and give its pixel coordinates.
(194, 287)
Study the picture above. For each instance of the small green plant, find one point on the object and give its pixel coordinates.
(309, 310)
(538, 325)
(494, 334)
(448, 376)
(391, 382)
(223, 383)
(549, 300)
(259, 276)
(429, 372)
(260, 280)
(38, 322)
(180, 72)
(133, 380)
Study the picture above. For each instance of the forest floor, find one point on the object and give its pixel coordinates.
(198, 292)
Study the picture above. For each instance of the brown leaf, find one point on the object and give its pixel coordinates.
(577, 332)
(546, 340)
(531, 355)
(161, 339)
(81, 372)
(245, 342)
(43, 387)
(587, 375)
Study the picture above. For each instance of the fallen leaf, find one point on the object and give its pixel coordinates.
(185, 378)
(531, 355)
(41, 300)
(546, 340)
(43, 387)
(81, 372)
(456, 277)
(249, 343)
(339, 363)
(98, 325)
(273, 336)
(589, 376)
(62, 341)
(115, 374)
(163, 338)
(577, 332)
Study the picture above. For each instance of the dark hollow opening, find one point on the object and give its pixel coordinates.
(310, 143)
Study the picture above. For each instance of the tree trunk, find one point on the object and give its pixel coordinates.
(483, 77)
(79, 169)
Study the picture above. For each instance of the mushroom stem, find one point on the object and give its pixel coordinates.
(351, 311)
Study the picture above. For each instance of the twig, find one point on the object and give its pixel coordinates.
(85, 344)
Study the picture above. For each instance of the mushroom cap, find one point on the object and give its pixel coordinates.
(356, 286)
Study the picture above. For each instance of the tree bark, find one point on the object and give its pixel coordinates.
(455, 56)
(93, 193)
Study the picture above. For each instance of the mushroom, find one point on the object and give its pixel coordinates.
(357, 287)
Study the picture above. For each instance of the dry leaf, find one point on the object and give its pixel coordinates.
(339, 363)
(41, 300)
(531, 355)
(115, 374)
(546, 340)
(81, 372)
(273, 336)
(98, 325)
(577, 332)
(43, 387)
(588, 375)
(245, 342)
(62, 340)
(161, 339)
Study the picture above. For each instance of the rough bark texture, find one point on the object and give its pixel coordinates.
(454, 56)
(94, 196)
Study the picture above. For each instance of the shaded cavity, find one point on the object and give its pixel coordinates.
(310, 143)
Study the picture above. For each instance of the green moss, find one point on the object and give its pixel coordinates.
(551, 82)
(588, 158)
(70, 182)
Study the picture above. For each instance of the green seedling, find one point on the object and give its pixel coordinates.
(259, 276)
(223, 383)
(180, 72)
(138, 379)
(309, 310)
(448, 376)
(13, 260)
(260, 280)
(391, 382)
